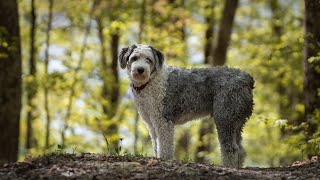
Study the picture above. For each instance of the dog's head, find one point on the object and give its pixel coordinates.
(141, 62)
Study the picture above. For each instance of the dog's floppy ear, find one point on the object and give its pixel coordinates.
(158, 56)
(124, 55)
(122, 59)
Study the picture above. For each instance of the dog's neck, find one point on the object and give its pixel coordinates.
(140, 87)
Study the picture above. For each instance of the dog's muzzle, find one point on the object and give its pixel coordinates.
(140, 70)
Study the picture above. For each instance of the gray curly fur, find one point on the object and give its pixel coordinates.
(173, 96)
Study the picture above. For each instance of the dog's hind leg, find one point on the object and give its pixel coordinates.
(242, 153)
(165, 133)
(229, 113)
(229, 148)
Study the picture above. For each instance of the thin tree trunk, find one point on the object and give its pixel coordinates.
(204, 146)
(182, 149)
(311, 72)
(206, 128)
(31, 83)
(224, 33)
(153, 21)
(183, 27)
(209, 34)
(75, 73)
(109, 73)
(46, 88)
(276, 35)
(142, 20)
(10, 81)
(104, 66)
(276, 15)
(109, 93)
(112, 129)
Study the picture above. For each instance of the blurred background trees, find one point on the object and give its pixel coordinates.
(75, 96)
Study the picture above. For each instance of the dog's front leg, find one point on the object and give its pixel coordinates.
(153, 137)
(165, 133)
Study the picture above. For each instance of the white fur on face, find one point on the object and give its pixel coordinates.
(141, 57)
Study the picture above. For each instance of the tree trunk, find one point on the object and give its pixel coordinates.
(112, 129)
(10, 81)
(142, 21)
(276, 35)
(104, 66)
(284, 106)
(115, 91)
(224, 33)
(182, 149)
(46, 88)
(311, 66)
(208, 47)
(204, 146)
(31, 81)
(206, 128)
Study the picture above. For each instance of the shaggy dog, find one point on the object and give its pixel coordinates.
(167, 96)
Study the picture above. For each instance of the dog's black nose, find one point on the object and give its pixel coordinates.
(140, 70)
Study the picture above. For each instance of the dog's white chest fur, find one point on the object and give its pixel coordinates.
(149, 100)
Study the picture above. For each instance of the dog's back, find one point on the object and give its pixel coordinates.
(194, 93)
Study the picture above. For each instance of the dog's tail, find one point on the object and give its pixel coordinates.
(251, 81)
(247, 79)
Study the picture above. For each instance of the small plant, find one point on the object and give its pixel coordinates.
(74, 150)
(302, 146)
(186, 159)
(61, 149)
(313, 144)
(106, 139)
(118, 149)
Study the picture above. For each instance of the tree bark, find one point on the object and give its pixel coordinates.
(311, 67)
(115, 90)
(10, 81)
(46, 88)
(31, 81)
(224, 33)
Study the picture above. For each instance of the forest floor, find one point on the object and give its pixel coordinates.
(99, 166)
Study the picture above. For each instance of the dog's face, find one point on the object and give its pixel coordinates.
(141, 62)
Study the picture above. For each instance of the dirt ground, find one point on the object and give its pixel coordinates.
(99, 166)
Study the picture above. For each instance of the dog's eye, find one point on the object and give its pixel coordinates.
(134, 58)
(148, 60)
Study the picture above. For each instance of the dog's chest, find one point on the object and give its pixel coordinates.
(150, 101)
